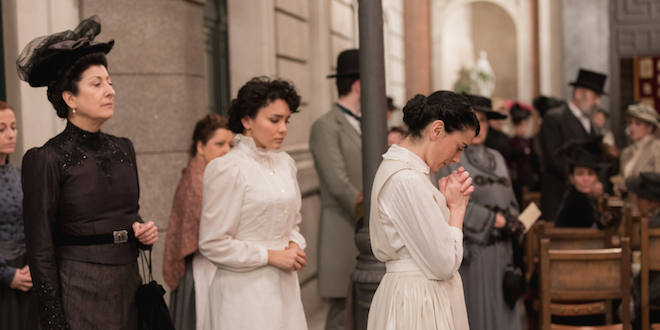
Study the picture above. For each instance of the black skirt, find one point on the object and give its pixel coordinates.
(98, 296)
(14, 303)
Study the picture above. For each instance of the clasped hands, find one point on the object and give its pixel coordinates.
(456, 187)
(291, 258)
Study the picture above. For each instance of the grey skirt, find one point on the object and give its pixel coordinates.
(99, 296)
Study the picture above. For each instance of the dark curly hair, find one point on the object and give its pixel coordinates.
(257, 93)
(69, 80)
(453, 109)
(204, 130)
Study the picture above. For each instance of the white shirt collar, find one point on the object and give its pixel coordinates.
(404, 155)
(584, 119)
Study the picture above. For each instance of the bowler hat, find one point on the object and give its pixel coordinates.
(590, 80)
(646, 185)
(483, 104)
(45, 58)
(348, 64)
(644, 112)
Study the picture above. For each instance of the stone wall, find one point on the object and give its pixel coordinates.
(586, 32)
(158, 72)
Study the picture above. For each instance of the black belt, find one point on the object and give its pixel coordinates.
(116, 237)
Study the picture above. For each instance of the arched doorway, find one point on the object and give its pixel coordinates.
(462, 29)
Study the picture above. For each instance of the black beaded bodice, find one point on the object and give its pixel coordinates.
(76, 145)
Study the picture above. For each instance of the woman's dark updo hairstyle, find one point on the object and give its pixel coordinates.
(453, 109)
(69, 80)
(258, 93)
(204, 130)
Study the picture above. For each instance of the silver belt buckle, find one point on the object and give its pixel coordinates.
(121, 236)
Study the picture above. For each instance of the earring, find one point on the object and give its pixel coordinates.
(73, 110)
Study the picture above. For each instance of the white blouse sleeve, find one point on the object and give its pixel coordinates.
(295, 235)
(222, 201)
(436, 246)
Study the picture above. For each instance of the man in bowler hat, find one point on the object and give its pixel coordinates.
(336, 146)
(568, 122)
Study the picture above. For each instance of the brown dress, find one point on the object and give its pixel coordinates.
(181, 242)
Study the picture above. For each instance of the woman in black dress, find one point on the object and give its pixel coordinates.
(15, 280)
(579, 207)
(81, 192)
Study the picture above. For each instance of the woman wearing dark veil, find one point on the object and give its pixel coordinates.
(82, 226)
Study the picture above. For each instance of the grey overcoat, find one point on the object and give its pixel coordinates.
(337, 151)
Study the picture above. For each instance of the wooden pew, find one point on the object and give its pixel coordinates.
(583, 275)
(650, 245)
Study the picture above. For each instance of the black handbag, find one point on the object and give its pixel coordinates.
(152, 310)
(513, 285)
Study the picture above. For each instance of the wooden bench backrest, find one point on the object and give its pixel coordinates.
(585, 274)
(650, 248)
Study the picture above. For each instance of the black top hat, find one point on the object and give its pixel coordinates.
(45, 58)
(591, 80)
(646, 185)
(348, 64)
(586, 153)
(483, 104)
(519, 114)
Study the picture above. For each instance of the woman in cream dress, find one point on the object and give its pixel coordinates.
(415, 228)
(250, 246)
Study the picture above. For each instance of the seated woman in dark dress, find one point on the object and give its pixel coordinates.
(81, 192)
(579, 207)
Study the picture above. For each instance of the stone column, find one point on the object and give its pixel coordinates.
(417, 44)
(157, 66)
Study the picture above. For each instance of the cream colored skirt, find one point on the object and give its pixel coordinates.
(406, 299)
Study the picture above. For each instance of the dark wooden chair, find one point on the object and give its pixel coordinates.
(650, 241)
(529, 197)
(583, 275)
(576, 238)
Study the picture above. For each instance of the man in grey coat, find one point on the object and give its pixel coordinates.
(336, 146)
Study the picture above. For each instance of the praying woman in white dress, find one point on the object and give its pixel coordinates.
(250, 246)
(415, 228)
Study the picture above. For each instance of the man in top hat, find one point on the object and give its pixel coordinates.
(561, 125)
(646, 187)
(336, 146)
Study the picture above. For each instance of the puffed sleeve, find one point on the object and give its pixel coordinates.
(222, 202)
(6, 272)
(436, 246)
(41, 192)
(295, 235)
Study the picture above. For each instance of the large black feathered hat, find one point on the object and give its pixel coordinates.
(45, 58)
(483, 104)
(348, 64)
(589, 153)
(591, 80)
(646, 185)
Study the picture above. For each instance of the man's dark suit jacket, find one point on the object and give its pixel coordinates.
(560, 126)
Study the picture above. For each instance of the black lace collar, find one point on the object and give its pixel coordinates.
(77, 144)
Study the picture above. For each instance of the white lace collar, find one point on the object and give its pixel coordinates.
(247, 144)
